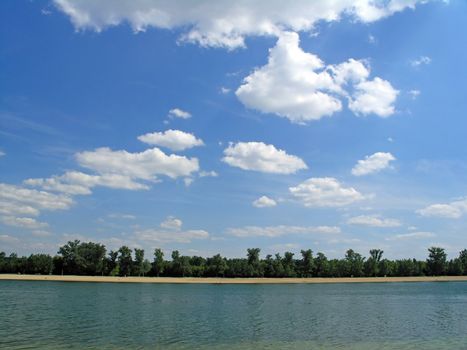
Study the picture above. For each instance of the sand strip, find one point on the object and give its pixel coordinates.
(181, 280)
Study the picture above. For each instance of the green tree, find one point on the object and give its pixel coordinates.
(125, 261)
(216, 266)
(112, 268)
(436, 262)
(463, 260)
(41, 264)
(254, 266)
(307, 263)
(354, 263)
(372, 264)
(321, 265)
(138, 267)
(159, 263)
(90, 258)
(71, 258)
(289, 265)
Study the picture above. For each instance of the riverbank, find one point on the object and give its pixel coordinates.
(193, 280)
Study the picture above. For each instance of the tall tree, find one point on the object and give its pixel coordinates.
(289, 265)
(463, 260)
(372, 264)
(436, 262)
(139, 262)
(254, 266)
(321, 265)
(307, 263)
(354, 263)
(159, 263)
(125, 261)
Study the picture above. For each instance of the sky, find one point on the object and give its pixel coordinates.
(211, 127)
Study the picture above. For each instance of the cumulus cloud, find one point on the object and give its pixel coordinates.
(375, 96)
(170, 231)
(172, 223)
(223, 23)
(146, 165)
(325, 192)
(259, 156)
(373, 221)
(17, 200)
(179, 113)
(264, 202)
(373, 163)
(280, 230)
(293, 84)
(175, 140)
(453, 210)
(78, 183)
(299, 86)
(23, 222)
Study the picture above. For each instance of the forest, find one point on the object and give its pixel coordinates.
(92, 259)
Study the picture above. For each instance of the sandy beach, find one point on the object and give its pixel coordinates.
(192, 280)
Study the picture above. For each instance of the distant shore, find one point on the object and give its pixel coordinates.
(214, 280)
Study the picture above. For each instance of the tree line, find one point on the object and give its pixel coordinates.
(91, 259)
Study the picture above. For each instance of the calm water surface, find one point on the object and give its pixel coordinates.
(54, 315)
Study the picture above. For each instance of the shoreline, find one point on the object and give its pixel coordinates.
(222, 280)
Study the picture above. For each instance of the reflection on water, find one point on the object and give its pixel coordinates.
(54, 315)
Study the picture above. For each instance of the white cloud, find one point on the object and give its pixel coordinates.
(224, 90)
(375, 96)
(453, 210)
(372, 39)
(145, 165)
(179, 113)
(259, 156)
(172, 223)
(411, 235)
(293, 84)
(2, 153)
(170, 231)
(281, 230)
(325, 192)
(223, 23)
(16, 200)
(299, 86)
(175, 140)
(78, 183)
(24, 222)
(422, 60)
(373, 221)
(373, 164)
(264, 202)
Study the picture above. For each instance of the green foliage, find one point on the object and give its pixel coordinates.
(436, 262)
(40, 264)
(88, 258)
(125, 262)
(159, 263)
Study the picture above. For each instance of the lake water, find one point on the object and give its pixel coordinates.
(54, 315)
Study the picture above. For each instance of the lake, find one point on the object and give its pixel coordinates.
(60, 315)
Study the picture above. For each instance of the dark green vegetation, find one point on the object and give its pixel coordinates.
(88, 258)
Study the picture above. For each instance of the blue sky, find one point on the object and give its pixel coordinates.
(213, 127)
